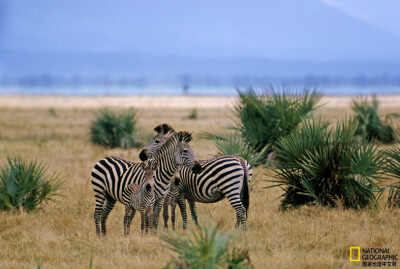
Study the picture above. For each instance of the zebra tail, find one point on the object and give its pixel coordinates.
(246, 193)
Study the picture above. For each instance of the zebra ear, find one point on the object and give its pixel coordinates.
(167, 128)
(185, 136)
(158, 128)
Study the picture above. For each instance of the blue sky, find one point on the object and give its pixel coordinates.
(312, 30)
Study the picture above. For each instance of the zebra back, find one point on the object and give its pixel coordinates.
(112, 175)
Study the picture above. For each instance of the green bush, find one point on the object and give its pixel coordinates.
(328, 166)
(25, 185)
(392, 168)
(52, 112)
(263, 119)
(193, 114)
(205, 248)
(370, 126)
(115, 130)
(234, 144)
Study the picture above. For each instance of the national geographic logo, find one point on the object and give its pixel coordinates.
(374, 257)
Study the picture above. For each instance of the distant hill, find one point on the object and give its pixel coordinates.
(205, 42)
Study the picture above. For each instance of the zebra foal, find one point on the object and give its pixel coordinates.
(142, 199)
(170, 201)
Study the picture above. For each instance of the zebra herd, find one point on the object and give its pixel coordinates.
(169, 175)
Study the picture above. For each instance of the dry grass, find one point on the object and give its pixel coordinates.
(62, 234)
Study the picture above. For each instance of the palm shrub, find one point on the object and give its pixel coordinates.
(370, 126)
(205, 248)
(112, 130)
(392, 168)
(234, 144)
(25, 185)
(263, 119)
(328, 166)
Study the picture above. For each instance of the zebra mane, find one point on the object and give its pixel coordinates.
(164, 128)
(173, 139)
(185, 136)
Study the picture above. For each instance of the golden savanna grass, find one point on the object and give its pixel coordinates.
(55, 131)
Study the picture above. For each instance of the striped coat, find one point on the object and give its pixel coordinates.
(110, 178)
(141, 198)
(184, 194)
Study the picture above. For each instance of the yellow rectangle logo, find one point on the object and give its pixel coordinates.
(355, 252)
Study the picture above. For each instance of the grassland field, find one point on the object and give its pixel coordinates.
(55, 131)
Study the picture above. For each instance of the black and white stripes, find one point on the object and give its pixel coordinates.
(222, 177)
(146, 187)
(111, 176)
(141, 198)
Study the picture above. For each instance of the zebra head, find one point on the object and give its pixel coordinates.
(184, 155)
(163, 132)
(176, 148)
(149, 166)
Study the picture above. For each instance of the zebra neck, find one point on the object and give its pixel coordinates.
(168, 168)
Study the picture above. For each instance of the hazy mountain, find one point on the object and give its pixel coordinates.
(256, 37)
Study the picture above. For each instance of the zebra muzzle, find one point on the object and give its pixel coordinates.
(197, 167)
(148, 187)
(143, 155)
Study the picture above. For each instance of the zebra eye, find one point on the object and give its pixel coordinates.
(157, 141)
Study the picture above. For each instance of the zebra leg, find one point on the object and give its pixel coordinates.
(150, 216)
(129, 214)
(157, 209)
(165, 215)
(98, 212)
(147, 224)
(193, 211)
(182, 207)
(237, 220)
(173, 206)
(143, 221)
(110, 203)
(236, 203)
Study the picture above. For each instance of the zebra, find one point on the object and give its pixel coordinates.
(170, 200)
(141, 198)
(163, 132)
(225, 176)
(111, 175)
(174, 152)
(179, 196)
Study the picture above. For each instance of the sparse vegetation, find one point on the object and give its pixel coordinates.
(328, 166)
(62, 235)
(25, 185)
(115, 130)
(370, 126)
(205, 248)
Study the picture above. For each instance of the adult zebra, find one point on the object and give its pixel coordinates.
(167, 156)
(112, 175)
(182, 194)
(226, 176)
